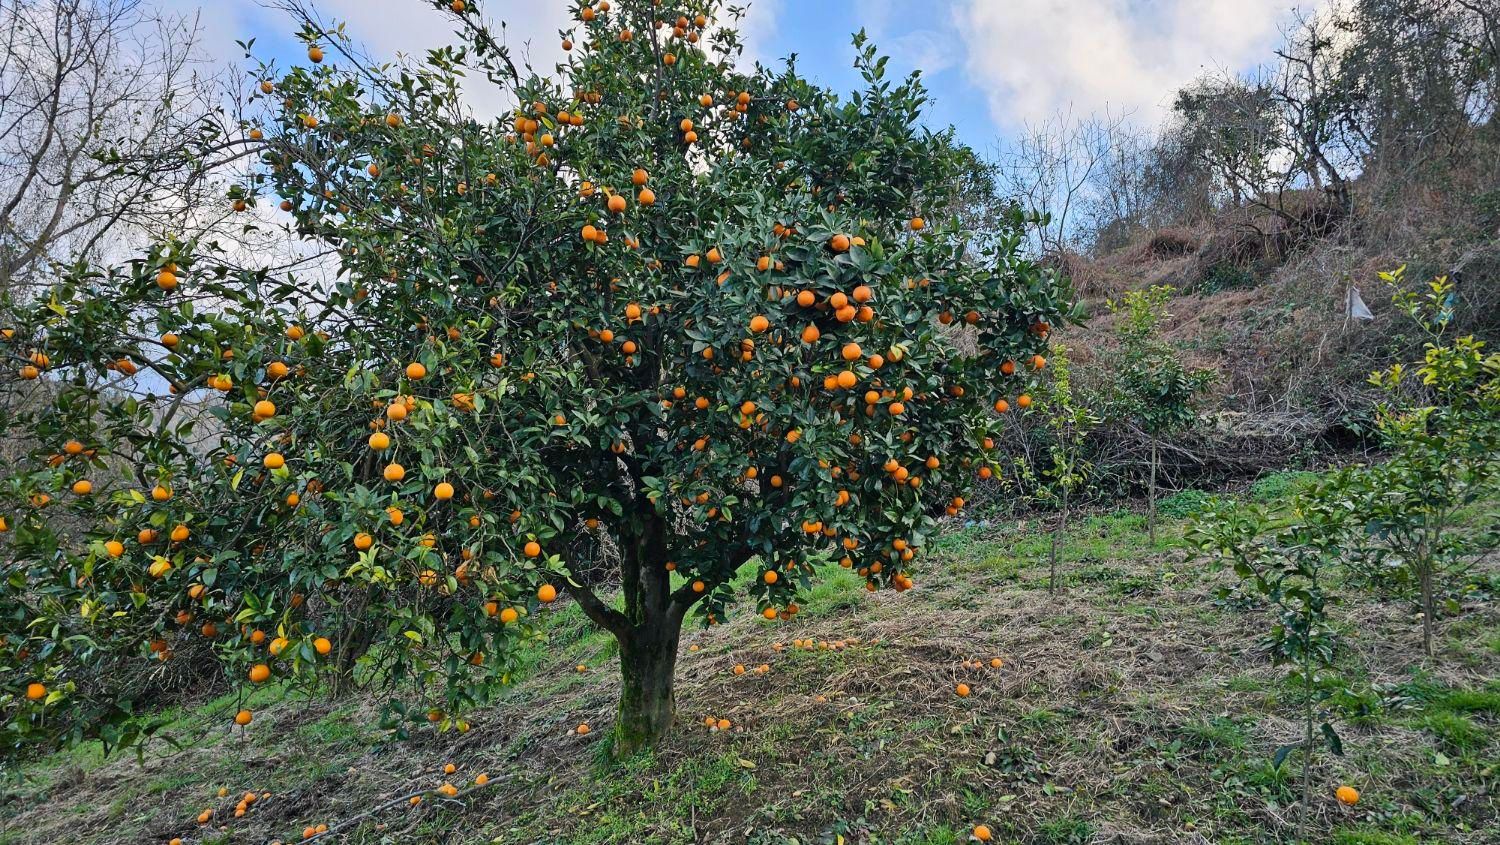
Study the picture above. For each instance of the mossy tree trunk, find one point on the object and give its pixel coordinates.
(648, 703)
(648, 630)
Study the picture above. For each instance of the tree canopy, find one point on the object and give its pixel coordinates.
(665, 318)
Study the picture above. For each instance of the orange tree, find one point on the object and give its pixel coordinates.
(664, 313)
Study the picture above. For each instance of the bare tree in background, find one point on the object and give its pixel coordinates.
(1148, 181)
(1311, 111)
(1151, 180)
(1050, 167)
(1373, 90)
(1119, 200)
(115, 133)
(101, 103)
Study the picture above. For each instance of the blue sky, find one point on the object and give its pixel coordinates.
(992, 65)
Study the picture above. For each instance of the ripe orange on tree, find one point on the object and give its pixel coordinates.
(557, 435)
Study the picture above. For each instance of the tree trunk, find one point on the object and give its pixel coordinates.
(1428, 610)
(1307, 739)
(356, 644)
(1062, 527)
(1151, 496)
(1424, 577)
(648, 631)
(648, 703)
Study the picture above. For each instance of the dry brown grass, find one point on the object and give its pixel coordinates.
(1279, 335)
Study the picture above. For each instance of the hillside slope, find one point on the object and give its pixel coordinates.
(1131, 707)
(1267, 309)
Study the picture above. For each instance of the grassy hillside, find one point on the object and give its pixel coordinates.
(1132, 707)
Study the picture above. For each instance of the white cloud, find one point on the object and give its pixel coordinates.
(757, 28)
(924, 49)
(1034, 57)
(927, 50)
(391, 27)
(388, 28)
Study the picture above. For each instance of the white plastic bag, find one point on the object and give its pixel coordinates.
(1356, 306)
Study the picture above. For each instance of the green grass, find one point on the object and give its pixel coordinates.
(1486, 701)
(1279, 485)
(335, 728)
(1218, 732)
(1003, 552)
(1182, 504)
(1066, 830)
(1452, 715)
(1457, 732)
(1370, 836)
(891, 757)
(940, 835)
(838, 591)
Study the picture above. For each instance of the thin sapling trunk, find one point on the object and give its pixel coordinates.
(1151, 496)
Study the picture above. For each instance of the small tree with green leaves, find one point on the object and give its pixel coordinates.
(1442, 423)
(1157, 392)
(1284, 553)
(1068, 420)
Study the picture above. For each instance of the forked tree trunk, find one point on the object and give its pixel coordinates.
(355, 645)
(648, 702)
(648, 631)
